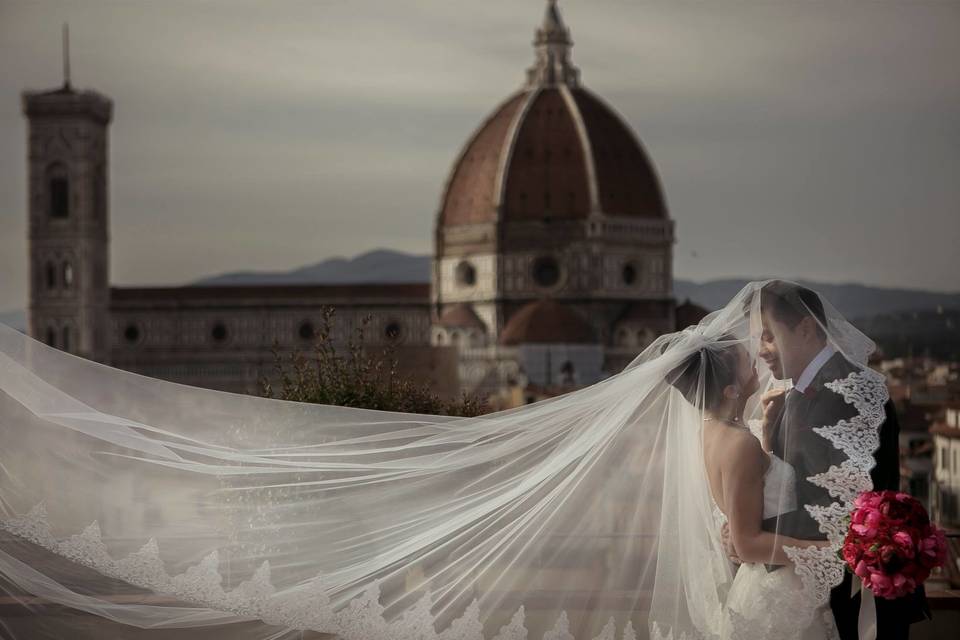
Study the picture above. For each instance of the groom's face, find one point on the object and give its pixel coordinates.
(779, 346)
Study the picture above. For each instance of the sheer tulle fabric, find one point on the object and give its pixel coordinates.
(152, 509)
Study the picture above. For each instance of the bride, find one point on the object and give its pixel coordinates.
(747, 485)
(138, 508)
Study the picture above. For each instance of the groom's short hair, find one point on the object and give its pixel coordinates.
(790, 303)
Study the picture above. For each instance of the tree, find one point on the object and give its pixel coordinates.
(357, 379)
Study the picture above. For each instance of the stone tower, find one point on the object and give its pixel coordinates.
(68, 217)
(553, 197)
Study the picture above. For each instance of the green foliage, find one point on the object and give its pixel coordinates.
(357, 378)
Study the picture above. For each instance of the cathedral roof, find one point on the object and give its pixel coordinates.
(644, 310)
(546, 320)
(551, 149)
(67, 101)
(408, 292)
(461, 315)
(689, 314)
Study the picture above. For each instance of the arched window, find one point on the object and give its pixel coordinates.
(67, 275)
(219, 332)
(58, 190)
(51, 270)
(466, 274)
(51, 336)
(629, 273)
(65, 343)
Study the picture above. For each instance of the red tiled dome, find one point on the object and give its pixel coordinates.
(553, 151)
(461, 315)
(546, 320)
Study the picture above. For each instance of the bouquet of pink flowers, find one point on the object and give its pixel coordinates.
(891, 544)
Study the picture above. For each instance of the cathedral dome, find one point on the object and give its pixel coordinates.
(553, 149)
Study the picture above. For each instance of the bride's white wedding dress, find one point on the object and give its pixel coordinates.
(763, 604)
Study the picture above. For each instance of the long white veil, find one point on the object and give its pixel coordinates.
(137, 508)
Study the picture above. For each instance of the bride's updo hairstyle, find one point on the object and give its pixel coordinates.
(704, 374)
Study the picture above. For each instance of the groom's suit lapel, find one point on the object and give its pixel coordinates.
(818, 397)
(835, 368)
(815, 406)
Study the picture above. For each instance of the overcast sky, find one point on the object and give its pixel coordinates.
(799, 138)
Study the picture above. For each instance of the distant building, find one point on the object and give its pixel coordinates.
(922, 389)
(916, 448)
(552, 264)
(946, 466)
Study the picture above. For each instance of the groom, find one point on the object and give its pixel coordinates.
(794, 345)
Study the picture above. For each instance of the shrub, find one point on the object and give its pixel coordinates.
(363, 377)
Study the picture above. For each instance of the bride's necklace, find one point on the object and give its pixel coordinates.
(733, 421)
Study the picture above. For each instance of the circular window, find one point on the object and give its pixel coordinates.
(392, 331)
(219, 332)
(546, 271)
(306, 330)
(629, 273)
(131, 333)
(466, 274)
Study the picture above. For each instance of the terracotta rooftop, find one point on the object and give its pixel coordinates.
(461, 315)
(943, 429)
(546, 321)
(644, 310)
(689, 314)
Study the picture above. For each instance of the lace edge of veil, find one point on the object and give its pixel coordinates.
(820, 570)
(305, 607)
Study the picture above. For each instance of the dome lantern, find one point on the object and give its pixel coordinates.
(552, 45)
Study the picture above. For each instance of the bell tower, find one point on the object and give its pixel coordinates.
(68, 220)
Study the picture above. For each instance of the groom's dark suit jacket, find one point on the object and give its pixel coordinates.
(795, 442)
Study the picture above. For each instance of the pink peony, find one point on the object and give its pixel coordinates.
(891, 544)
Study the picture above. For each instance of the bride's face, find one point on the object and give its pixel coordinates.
(747, 378)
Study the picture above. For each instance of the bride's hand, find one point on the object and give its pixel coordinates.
(728, 544)
(772, 402)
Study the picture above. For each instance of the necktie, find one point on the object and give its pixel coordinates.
(787, 421)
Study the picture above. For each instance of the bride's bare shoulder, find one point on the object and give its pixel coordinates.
(743, 449)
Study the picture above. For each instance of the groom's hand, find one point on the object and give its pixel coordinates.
(728, 544)
(772, 402)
